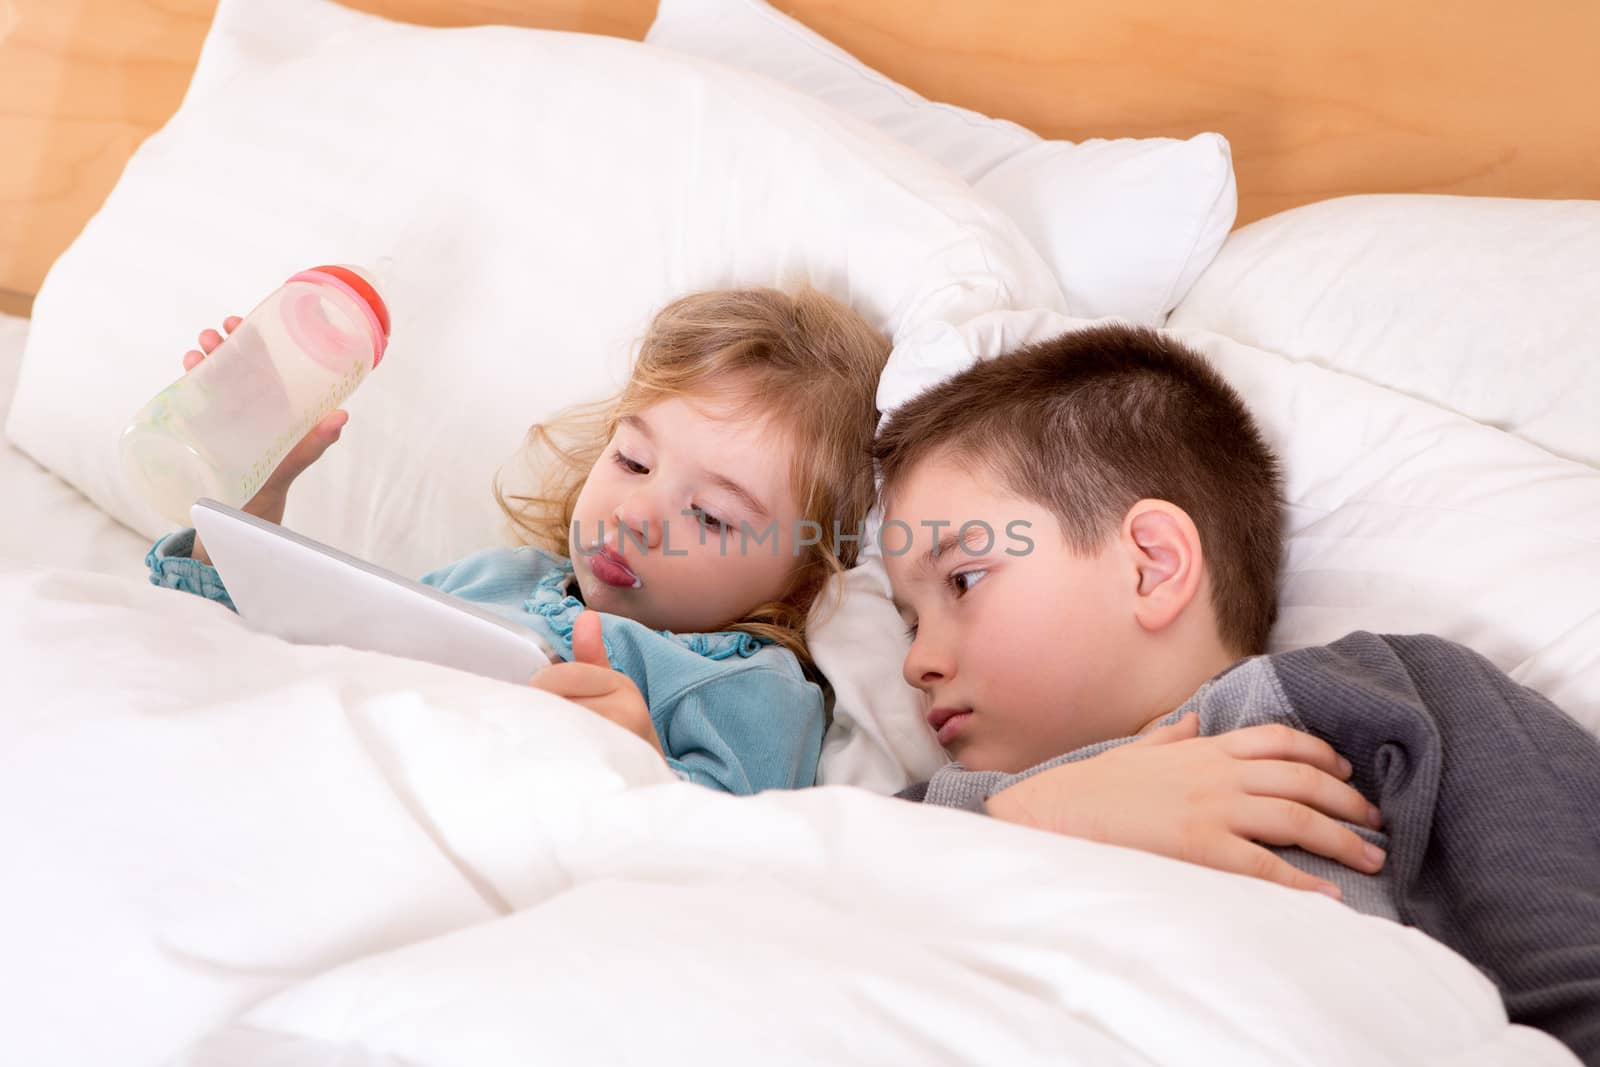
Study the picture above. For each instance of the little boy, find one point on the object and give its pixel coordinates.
(1084, 537)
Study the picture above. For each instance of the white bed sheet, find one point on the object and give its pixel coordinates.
(43, 519)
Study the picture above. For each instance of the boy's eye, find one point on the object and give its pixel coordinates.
(963, 581)
(911, 632)
(627, 464)
(706, 519)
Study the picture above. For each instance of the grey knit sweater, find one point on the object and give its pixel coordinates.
(1490, 795)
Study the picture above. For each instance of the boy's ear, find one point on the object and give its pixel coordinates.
(1164, 546)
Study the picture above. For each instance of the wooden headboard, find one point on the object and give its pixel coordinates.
(1318, 98)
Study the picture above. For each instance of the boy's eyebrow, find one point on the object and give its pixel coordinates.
(722, 481)
(951, 540)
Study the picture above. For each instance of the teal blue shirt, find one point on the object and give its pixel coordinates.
(733, 712)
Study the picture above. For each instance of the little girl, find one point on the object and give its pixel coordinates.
(688, 516)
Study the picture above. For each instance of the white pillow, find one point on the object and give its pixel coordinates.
(1127, 225)
(45, 520)
(541, 195)
(1402, 518)
(1486, 306)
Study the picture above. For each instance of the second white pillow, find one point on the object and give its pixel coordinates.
(1127, 225)
(1482, 305)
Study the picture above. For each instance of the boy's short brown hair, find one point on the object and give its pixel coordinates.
(1089, 423)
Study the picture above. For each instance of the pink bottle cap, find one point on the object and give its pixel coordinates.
(365, 296)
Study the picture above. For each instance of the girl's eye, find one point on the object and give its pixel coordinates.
(706, 519)
(963, 581)
(629, 465)
(911, 632)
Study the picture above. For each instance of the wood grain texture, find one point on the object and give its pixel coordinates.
(82, 82)
(618, 18)
(1318, 99)
(13, 303)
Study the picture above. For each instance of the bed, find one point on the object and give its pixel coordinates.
(230, 850)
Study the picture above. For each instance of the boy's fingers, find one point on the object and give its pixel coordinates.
(192, 359)
(1308, 785)
(1277, 741)
(231, 323)
(1274, 821)
(1182, 730)
(1242, 857)
(209, 340)
(588, 643)
(575, 681)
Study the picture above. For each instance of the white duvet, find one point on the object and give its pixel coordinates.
(225, 850)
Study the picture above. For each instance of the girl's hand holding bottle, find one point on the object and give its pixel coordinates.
(271, 499)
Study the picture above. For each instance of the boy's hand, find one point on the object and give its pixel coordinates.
(1207, 800)
(590, 681)
(273, 496)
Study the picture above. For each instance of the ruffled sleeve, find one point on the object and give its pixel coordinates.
(171, 566)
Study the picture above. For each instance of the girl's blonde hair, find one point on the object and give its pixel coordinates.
(803, 361)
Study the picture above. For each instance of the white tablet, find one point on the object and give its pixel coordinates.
(306, 592)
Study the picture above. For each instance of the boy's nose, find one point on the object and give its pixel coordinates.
(924, 667)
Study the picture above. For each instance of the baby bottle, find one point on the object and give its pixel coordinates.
(222, 428)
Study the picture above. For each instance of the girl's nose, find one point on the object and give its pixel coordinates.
(638, 521)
